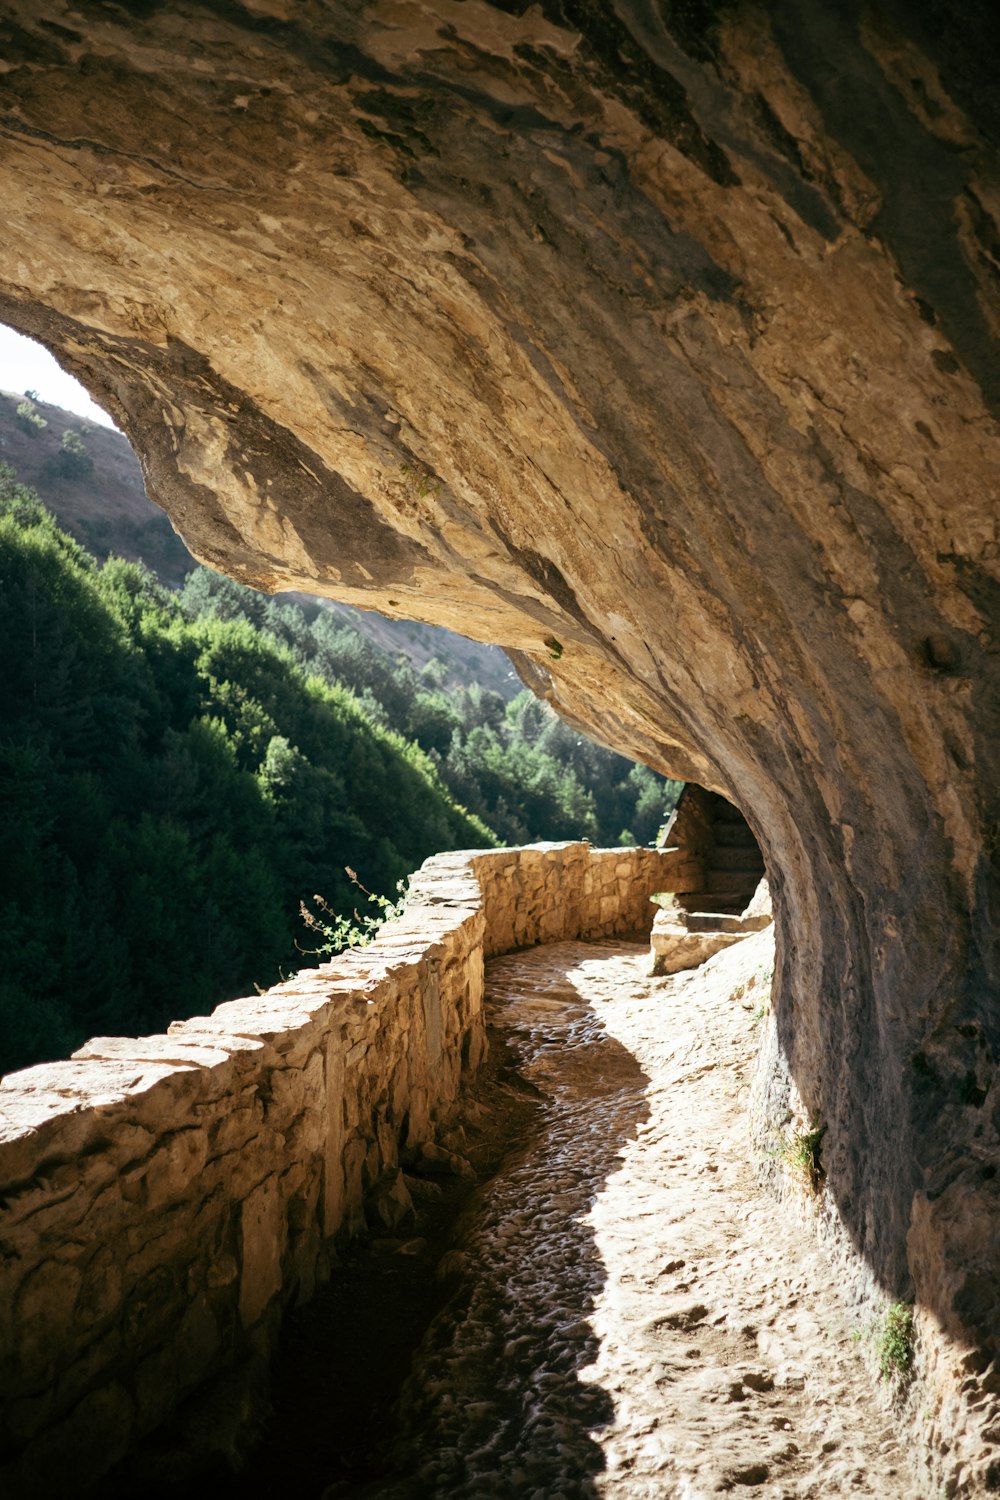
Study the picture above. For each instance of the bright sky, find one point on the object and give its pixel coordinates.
(26, 366)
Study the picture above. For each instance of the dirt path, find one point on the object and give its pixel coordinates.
(634, 1318)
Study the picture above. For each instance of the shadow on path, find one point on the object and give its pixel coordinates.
(449, 1363)
(495, 1405)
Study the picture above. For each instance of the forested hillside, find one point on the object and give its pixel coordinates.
(179, 771)
(515, 764)
(91, 481)
(181, 767)
(521, 769)
(171, 787)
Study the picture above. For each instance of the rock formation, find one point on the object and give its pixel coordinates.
(658, 344)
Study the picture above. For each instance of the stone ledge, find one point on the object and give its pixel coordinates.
(163, 1198)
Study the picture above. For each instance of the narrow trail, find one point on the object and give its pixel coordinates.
(634, 1317)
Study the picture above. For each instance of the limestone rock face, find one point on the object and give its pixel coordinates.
(658, 344)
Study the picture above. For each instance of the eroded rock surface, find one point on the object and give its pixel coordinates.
(657, 343)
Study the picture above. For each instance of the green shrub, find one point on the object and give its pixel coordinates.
(800, 1150)
(894, 1343)
(29, 419)
(337, 932)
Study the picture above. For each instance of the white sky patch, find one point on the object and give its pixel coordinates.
(26, 366)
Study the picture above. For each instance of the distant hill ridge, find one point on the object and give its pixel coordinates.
(95, 489)
(99, 497)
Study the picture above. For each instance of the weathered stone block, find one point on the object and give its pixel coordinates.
(45, 1319)
(674, 948)
(100, 1295)
(197, 1338)
(262, 1241)
(87, 1441)
(156, 1388)
(169, 1171)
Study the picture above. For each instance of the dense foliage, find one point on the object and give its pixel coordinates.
(515, 764)
(170, 788)
(178, 772)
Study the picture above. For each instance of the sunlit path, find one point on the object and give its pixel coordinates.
(636, 1318)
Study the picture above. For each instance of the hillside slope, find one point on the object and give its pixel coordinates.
(172, 789)
(100, 498)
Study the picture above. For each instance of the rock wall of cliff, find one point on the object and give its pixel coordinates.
(658, 344)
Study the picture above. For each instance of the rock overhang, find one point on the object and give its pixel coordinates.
(655, 345)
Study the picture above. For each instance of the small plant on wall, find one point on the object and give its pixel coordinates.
(800, 1150)
(894, 1344)
(335, 932)
(892, 1339)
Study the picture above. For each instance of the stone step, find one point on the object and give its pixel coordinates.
(708, 902)
(757, 923)
(735, 857)
(673, 951)
(713, 921)
(733, 834)
(733, 881)
(725, 812)
(720, 921)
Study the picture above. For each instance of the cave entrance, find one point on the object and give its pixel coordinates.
(723, 850)
(717, 894)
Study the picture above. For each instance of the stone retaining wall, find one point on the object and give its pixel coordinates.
(162, 1200)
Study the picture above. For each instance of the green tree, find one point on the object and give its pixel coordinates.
(72, 461)
(29, 418)
(170, 789)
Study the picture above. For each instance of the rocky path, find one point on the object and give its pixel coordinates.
(634, 1318)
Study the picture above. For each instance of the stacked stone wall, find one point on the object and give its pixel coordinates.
(164, 1199)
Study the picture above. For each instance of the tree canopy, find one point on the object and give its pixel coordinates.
(171, 787)
(515, 764)
(179, 771)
